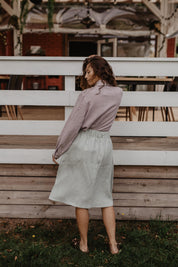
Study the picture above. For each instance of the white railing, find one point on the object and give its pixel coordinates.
(71, 67)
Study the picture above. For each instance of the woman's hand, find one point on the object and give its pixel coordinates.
(53, 158)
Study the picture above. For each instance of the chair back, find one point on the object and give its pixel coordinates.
(15, 82)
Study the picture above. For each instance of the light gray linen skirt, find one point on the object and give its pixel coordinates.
(85, 174)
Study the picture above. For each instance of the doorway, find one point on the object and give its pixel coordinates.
(82, 49)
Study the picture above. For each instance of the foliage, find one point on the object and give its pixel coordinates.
(13, 20)
(19, 23)
(23, 14)
(3, 38)
(48, 243)
(50, 13)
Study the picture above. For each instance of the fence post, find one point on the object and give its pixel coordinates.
(69, 87)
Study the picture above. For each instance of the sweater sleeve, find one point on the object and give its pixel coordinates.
(71, 127)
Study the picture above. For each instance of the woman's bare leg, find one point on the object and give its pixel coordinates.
(82, 217)
(110, 224)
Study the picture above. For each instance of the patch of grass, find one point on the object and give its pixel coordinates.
(48, 243)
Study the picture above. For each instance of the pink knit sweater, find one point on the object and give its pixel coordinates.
(95, 108)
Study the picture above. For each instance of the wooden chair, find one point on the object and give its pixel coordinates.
(126, 113)
(15, 83)
(167, 114)
(143, 113)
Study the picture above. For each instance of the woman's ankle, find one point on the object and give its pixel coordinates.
(83, 246)
(112, 242)
(83, 242)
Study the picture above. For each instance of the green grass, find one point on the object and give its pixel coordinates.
(48, 243)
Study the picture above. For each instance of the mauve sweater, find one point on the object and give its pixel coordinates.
(95, 108)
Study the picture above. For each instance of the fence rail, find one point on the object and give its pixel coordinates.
(68, 98)
(119, 128)
(72, 66)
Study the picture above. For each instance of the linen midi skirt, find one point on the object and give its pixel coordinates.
(85, 174)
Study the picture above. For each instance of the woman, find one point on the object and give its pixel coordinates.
(85, 175)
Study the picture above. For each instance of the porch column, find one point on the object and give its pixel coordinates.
(162, 42)
(162, 14)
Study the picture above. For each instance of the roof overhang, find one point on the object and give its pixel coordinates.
(113, 17)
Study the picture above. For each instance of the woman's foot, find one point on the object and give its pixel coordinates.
(79, 245)
(113, 248)
(83, 248)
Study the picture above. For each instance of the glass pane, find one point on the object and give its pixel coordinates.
(107, 50)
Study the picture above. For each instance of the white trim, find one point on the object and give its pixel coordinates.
(72, 66)
(121, 157)
(113, 41)
(29, 127)
(68, 98)
(153, 8)
(37, 98)
(103, 31)
(151, 158)
(119, 128)
(7, 8)
(148, 128)
(150, 99)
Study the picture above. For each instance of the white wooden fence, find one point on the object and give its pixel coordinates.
(70, 67)
(27, 197)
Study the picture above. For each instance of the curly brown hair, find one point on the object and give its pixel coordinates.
(101, 68)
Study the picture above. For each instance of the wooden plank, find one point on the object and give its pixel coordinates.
(39, 66)
(29, 156)
(28, 170)
(28, 142)
(146, 172)
(141, 213)
(29, 127)
(147, 128)
(123, 66)
(121, 157)
(27, 183)
(144, 157)
(7, 8)
(38, 98)
(146, 213)
(119, 128)
(145, 200)
(120, 199)
(145, 186)
(154, 9)
(145, 143)
(143, 79)
(120, 185)
(119, 143)
(25, 198)
(149, 99)
(62, 212)
(68, 98)
(69, 87)
(119, 171)
(36, 211)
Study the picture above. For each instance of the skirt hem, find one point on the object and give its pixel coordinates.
(81, 206)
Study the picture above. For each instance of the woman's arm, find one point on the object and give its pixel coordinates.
(71, 127)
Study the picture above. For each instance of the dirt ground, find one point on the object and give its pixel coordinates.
(9, 224)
